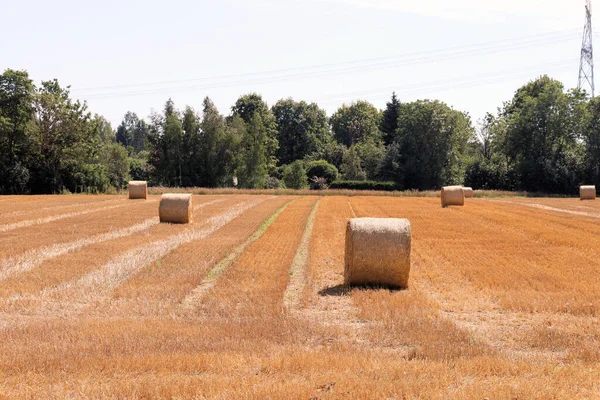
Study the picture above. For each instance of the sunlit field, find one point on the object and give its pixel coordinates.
(100, 300)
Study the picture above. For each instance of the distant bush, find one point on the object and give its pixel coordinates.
(365, 185)
(272, 183)
(322, 169)
(294, 176)
(318, 183)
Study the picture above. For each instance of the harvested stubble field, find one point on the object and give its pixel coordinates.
(99, 300)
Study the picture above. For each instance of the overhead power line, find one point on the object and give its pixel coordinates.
(331, 69)
(451, 83)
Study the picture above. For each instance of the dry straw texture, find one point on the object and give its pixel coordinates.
(377, 252)
(587, 192)
(453, 196)
(175, 208)
(469, 193)
(138, 189)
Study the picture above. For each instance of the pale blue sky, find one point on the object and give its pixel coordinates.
(134, 55)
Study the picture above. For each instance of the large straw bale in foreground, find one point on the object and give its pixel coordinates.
(175, 208)
(377, 252)
(138, 189)
(453, 196)
(587, 192)
(468, 192)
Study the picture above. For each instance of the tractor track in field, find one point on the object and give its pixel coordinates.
(171, 284)
(254, 285)
(194, 297)
(33, 238)
(424, 289)
(52, 218)
(325, 300)
(502, 302)
(5, 217)
(34, 258)
(298, 271)
(92, 290)
(476, 308)
(52, 263)
(116, 271)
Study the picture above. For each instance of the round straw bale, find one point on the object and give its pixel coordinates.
(175, 208)
(138, 189)
(377, 252)
(469, 193)
(453, 196)
(587, 192)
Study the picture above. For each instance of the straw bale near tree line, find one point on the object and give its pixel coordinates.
(138, 189)
(453, 196)
(587, 192)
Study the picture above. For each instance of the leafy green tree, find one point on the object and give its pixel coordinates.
(132, 132)
(355, 123)
(192, 171)
(294, 175)
(138, 166)
(230, 151)
(245, 108)
(253, 170)
(213, 131)
(102, 128)
(302, 129)
(371, 152)
(67, 150)
(389, 120)
(390, 168)
(542, 140)
(351, 166)
(117, 165)
(166, 139)
(591, 137)
(16, 112)
(331, 152)
(433, 142)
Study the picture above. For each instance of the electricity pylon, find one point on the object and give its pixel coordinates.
(586, 65)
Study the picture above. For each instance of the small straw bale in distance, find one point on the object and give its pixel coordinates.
(377, 252)
(469, 193)
(453, 196)
(587, 192)
(138, 189)
(175, 208)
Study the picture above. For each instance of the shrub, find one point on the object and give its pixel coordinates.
(487, 176)
(322, 169)
(351, 166)
(318, 183)
(294, 176)
(272, 183)
(365, 185)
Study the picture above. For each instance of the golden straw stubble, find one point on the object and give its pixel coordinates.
(138, 189)
(175, 208)
(453, 196)
(587, 192)
(377, 252)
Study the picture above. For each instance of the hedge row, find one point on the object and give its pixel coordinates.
(365, 185)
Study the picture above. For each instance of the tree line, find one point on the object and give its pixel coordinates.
(544, 139)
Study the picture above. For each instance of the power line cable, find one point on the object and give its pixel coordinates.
(450, 83)
(409, 59)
